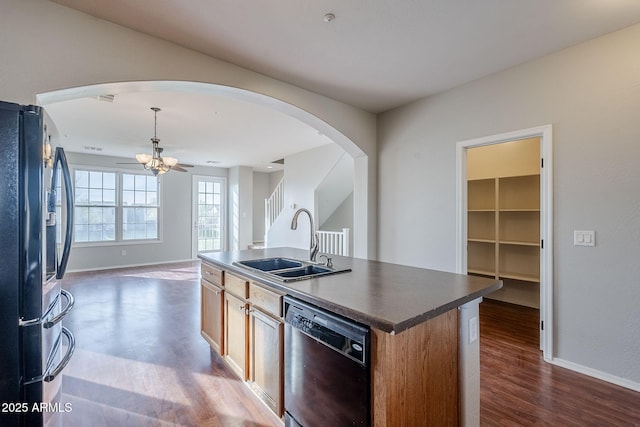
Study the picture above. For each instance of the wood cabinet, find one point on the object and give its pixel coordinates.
(236, 324)
(211, 306)
(212, 300)
(266, 347)
(503, 223)
(243, 322)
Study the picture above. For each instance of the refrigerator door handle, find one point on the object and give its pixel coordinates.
(56, 319)
(50, 376)
(61, 159)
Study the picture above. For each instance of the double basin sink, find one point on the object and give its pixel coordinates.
(287, 269)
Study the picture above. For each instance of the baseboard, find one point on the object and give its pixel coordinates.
(622, 382)
(115, 267)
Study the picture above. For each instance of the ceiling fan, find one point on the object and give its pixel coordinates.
(155, 162)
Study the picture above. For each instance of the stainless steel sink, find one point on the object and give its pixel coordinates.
(309, 270)
(270, 264)
(287, 269)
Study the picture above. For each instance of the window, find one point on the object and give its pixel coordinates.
(95, 212)
(139, 207)
(115, 206)
(209, 214)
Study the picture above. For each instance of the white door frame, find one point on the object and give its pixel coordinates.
(194, 211)
(546, 218)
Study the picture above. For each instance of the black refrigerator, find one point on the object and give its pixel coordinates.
(36, 219)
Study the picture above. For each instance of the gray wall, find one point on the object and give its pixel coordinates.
(590, 93)
(81, 51)
(175, 213)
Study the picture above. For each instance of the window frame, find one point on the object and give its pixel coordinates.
(119, 208)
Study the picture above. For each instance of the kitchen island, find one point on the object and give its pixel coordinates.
(414, 319)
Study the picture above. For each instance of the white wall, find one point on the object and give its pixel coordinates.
(303, 172)
(336, 186)
(47, 47)
(175, 244)
(590, 93)
(341, 218)
(240, 207)
(260, 193)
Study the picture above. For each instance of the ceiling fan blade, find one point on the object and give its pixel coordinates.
(183, 165)
(178, 168)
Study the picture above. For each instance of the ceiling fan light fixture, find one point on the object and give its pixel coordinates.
(170, 161)
(155, 162)
(143, 158)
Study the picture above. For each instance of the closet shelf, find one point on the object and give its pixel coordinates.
(518, 243)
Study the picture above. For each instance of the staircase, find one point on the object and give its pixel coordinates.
(273, 205)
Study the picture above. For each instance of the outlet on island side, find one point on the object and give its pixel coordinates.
(473, 329)
(123, 253)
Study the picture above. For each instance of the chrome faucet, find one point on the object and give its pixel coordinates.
(313, 245)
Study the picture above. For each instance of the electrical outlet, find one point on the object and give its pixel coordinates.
(473, 329)
(123, 253)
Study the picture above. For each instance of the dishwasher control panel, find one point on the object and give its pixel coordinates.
(341, 334)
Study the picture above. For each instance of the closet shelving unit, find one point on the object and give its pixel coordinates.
(504, 227)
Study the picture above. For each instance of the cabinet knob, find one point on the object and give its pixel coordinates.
(218, 292)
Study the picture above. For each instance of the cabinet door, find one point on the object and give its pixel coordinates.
(211, 315)
(266, 355)
(235, 334)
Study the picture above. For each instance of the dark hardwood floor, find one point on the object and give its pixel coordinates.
(517, 388)
(140, 361)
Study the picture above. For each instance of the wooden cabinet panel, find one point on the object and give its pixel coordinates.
(481, 226)
(481, 258)
(237, 285)
(211, 315)
(235, 334)
(266, 375)
(520, 192)
(269, 301)
(481, 195)
(212, 274)
(414, 374)
(520, 227)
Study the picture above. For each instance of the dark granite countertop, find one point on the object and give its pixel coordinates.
(386, 296)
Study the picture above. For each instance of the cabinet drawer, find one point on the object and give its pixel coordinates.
(267, 299)
(237, 285)
(212, 274)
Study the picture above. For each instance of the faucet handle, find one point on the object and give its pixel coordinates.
(329, 261)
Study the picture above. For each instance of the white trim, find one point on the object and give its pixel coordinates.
(545, 133)
(622, 382)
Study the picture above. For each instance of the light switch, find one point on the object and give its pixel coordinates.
(584, 238)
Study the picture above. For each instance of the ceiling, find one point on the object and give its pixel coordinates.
(194, 125)
(375, 54)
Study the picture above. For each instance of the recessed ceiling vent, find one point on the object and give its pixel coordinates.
(106, 98)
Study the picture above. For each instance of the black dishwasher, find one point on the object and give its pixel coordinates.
(326, 362)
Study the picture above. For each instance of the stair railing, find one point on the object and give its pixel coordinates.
(334, 242)
(273, 205)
